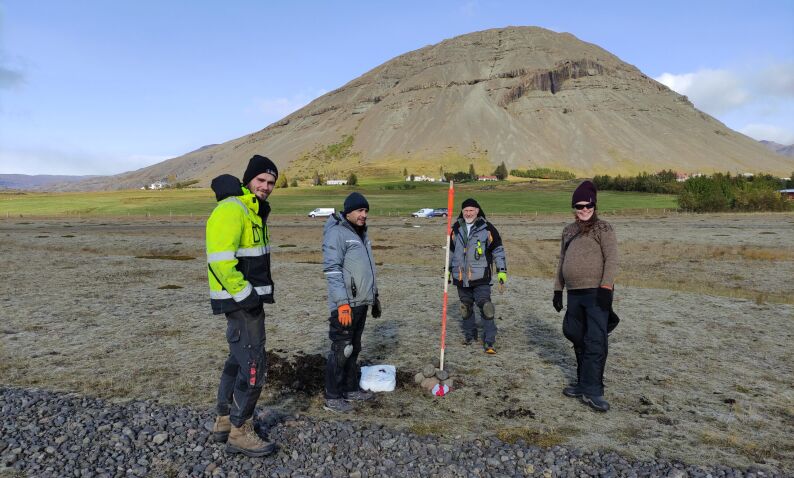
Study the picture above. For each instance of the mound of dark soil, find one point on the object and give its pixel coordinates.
(301, 373)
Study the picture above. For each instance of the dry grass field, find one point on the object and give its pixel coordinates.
(701, 368)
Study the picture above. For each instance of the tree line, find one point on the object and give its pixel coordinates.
(715, 193)
(663, 182)
(723, 192)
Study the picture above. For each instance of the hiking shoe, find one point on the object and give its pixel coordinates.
(245, 440)
(489, 349)
(469, 340)
(596, 402)
(359, 396)
(572, 391)
(337, 405)
(221, 429)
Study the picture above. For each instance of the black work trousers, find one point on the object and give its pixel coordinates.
(341, 369)
(244, 372)
(480, 295)
(585, 325)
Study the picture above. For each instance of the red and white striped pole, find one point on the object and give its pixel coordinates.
(450, 201)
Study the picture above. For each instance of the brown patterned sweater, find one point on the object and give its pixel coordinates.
(591, 259)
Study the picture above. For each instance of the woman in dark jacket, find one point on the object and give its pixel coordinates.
(587, 269)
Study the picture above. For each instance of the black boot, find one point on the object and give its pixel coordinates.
(596, 402)
(572, 391)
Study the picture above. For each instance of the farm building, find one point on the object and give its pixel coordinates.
(158, 185)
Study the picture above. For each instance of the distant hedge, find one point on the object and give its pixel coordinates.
(663, 182)
(723, 192)
(185, 184)
(542, 173)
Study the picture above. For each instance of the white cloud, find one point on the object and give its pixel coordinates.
(12, 70)
(778, 80)
(757, 100)
(769, 133)
(276, 108)
(10, 78)
(713, 91)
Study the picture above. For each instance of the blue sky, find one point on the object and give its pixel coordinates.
(102, 87)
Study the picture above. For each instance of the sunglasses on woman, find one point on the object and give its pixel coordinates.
(589, 205)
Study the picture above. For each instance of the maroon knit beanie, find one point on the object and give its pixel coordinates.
(585, 192)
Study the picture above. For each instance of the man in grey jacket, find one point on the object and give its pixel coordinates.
(350, 271)
(475, 246)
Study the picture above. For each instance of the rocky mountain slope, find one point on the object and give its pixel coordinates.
(27, 181)
(523, 95)
(779, 148)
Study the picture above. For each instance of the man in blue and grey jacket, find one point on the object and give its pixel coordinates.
(475, 246)
(350, 271)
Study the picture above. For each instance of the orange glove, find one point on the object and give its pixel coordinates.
(345, 315)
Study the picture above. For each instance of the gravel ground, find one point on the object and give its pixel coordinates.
(56, 434)
(700, 371)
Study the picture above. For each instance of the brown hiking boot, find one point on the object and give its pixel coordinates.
(221, 429)
(245, 440)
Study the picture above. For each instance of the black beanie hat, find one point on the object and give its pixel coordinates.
(585, 192)
(470, 203)
(355, 201)
(258, 165)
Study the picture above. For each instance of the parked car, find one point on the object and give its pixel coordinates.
(424, 212)
(441, 212)
(322, 212)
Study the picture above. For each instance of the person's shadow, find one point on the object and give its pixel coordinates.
(546, 339)
(384, 344)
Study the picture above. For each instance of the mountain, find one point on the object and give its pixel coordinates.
(523, 95)
(779, 148)
(26, 181)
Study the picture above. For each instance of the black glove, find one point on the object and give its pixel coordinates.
(376, 308)
(557, 300)
(251, 304)
(604, 298)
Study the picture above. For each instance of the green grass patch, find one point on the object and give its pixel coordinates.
(545, 439)
(385, 198)
(427, 429)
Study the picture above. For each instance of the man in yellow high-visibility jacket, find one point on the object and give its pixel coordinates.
(238, 263)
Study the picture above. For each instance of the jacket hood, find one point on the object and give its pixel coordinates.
(226, 186)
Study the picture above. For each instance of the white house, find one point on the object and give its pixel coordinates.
(336, 182)
(158, 185)
(487, 178)
(421, 178)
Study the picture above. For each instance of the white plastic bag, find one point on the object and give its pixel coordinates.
(378, 378)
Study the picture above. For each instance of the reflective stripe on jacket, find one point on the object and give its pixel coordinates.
(348, 264)
(473, 253)
(238, 255)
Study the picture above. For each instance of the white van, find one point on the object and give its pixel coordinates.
(322, 212)
(424, 212)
